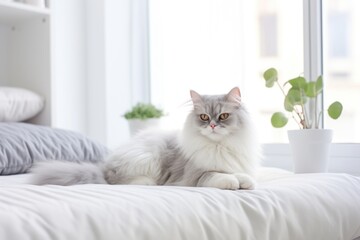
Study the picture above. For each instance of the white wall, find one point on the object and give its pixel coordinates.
(99, 64)
(117, 69)
(96, 77)
(68, 28)
(109, 69)
(117, 66)
(4, 43)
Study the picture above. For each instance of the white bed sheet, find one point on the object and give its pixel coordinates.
(284, 206)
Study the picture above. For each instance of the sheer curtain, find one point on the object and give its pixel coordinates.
(117, 65)
(139, 44)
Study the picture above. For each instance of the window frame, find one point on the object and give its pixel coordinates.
(313, 50)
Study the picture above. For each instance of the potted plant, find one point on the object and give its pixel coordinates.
(142, 116)
(310, 144)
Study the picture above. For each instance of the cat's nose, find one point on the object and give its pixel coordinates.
(212, 125)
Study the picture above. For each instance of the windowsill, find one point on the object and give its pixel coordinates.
(344, 157)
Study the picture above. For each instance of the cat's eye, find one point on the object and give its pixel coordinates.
(224, 116)
(204, 117)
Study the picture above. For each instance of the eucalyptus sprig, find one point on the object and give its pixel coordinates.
(299, 92)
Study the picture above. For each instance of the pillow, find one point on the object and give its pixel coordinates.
(22, 144)
(18, 104)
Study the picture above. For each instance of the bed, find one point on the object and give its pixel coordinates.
(283, 206)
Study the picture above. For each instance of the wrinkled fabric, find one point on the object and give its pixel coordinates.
(285, 206)
(22, 144)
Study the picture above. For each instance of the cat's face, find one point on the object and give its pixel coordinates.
(216, 117)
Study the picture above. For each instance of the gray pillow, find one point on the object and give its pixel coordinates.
(22, 144)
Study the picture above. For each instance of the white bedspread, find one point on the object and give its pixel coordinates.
(289, 207)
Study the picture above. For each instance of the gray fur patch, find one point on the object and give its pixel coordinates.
(66, 173)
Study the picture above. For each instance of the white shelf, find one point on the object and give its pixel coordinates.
(14, 12)
(25, 59)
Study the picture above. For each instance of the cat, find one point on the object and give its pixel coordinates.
(217, 147)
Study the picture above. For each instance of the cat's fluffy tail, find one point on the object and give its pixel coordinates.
(66, 173)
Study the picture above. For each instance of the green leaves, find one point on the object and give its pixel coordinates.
(313, 89)
(297, 83)
(297, 93)
(301, 91)
(144, 111)
(270, 76)
(335, 110)
(294, 97)
(279, 120)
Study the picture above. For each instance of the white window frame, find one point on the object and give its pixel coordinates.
(313, 54)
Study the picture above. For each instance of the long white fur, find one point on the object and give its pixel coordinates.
(233, 154)
(223, 157)
(139, 158)
(237, 152)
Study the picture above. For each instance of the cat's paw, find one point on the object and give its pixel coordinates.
(227, 182)
(222, 181)
(142, 180)
(245, 181)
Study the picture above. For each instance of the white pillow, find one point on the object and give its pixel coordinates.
(18, 104)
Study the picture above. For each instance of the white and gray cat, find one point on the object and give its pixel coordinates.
(216, 148)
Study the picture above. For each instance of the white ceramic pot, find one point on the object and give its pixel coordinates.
(137, 125)
(310, 149)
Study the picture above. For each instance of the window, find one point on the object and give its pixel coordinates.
(213, 45)
(268, 35)
(341, 70)
(338, 33)
(268, 13)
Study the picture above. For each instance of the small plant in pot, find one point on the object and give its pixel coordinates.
(142, 116)
(310, 145)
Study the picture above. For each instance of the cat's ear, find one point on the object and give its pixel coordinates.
(234, 96)
(195, 97)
